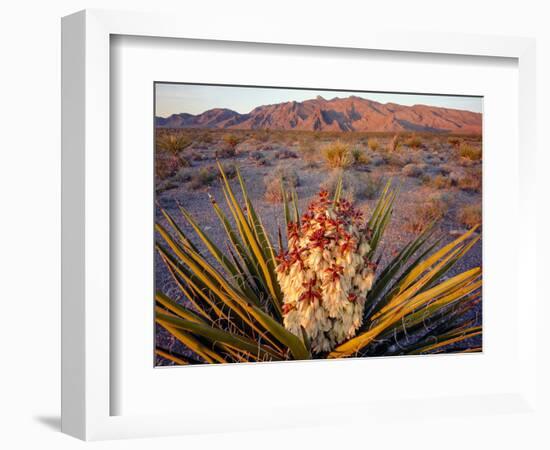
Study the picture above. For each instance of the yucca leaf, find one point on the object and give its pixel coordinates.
(456, 337)
(425, 264)
(167, 355)
(355, 344)
(266, 247)
(176, 308)
(250, 238)
(193, 344)
(217, 335)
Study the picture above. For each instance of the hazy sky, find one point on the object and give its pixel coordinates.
(195, 99)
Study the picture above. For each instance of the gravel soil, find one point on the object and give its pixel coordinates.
(414, 192)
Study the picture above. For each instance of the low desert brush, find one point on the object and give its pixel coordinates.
(373, 144)
(426, 212)
(276, 182)
(202, 178)
(338, 155)
(469, 151)
(470, 182)
(414, 142)
(470, 215)
(319, 293)
(394, 144)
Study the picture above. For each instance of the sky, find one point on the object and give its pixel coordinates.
(195, 99)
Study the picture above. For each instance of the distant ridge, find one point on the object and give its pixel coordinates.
(339, 114)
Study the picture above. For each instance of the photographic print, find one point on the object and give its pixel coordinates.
(306, 224)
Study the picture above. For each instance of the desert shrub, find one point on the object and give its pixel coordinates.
(454, 141)
(437, 181)
(413, 170)
(183, 175)
(373, 144)
(469, 151)
(470, 215)
(195, 156)
(394, 144)
(285, 153)
(426, 212)
(226, 151)
(167, 165)
(259, 158)
(273, 192)
(394, 159)
(230, 170)
(338, 155)
(165, 185)
(355, 185)
(360, 156)
(308, 152)
(470, 183)
(231, 140)
(204, 138)
(204, 177)
(414, 142)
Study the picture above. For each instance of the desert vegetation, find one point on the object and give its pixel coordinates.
(435, 188)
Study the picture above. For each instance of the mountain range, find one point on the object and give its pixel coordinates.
(338, 114)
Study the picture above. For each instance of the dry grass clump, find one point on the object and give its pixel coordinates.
(360, 156)
(167, 165)
(355, 185)
(338, 155)
(470, 182)
(273, 191)
(427, 211)
(469, 151)
(231, 140)
(413, 170)
(396, 160)
(439, 181)
(414, 142)
(308, 152)
(259, 158)
(202, 178)
(470, 215)
(394, 144)
(373, 144)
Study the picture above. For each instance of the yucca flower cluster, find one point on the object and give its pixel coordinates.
(325, 273)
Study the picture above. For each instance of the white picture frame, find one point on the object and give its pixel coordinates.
(86, 220)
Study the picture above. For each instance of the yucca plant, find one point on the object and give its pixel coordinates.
(321, 294)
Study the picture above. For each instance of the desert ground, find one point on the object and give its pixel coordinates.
(438, 177)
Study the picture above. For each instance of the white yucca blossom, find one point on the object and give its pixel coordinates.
(325, 274)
